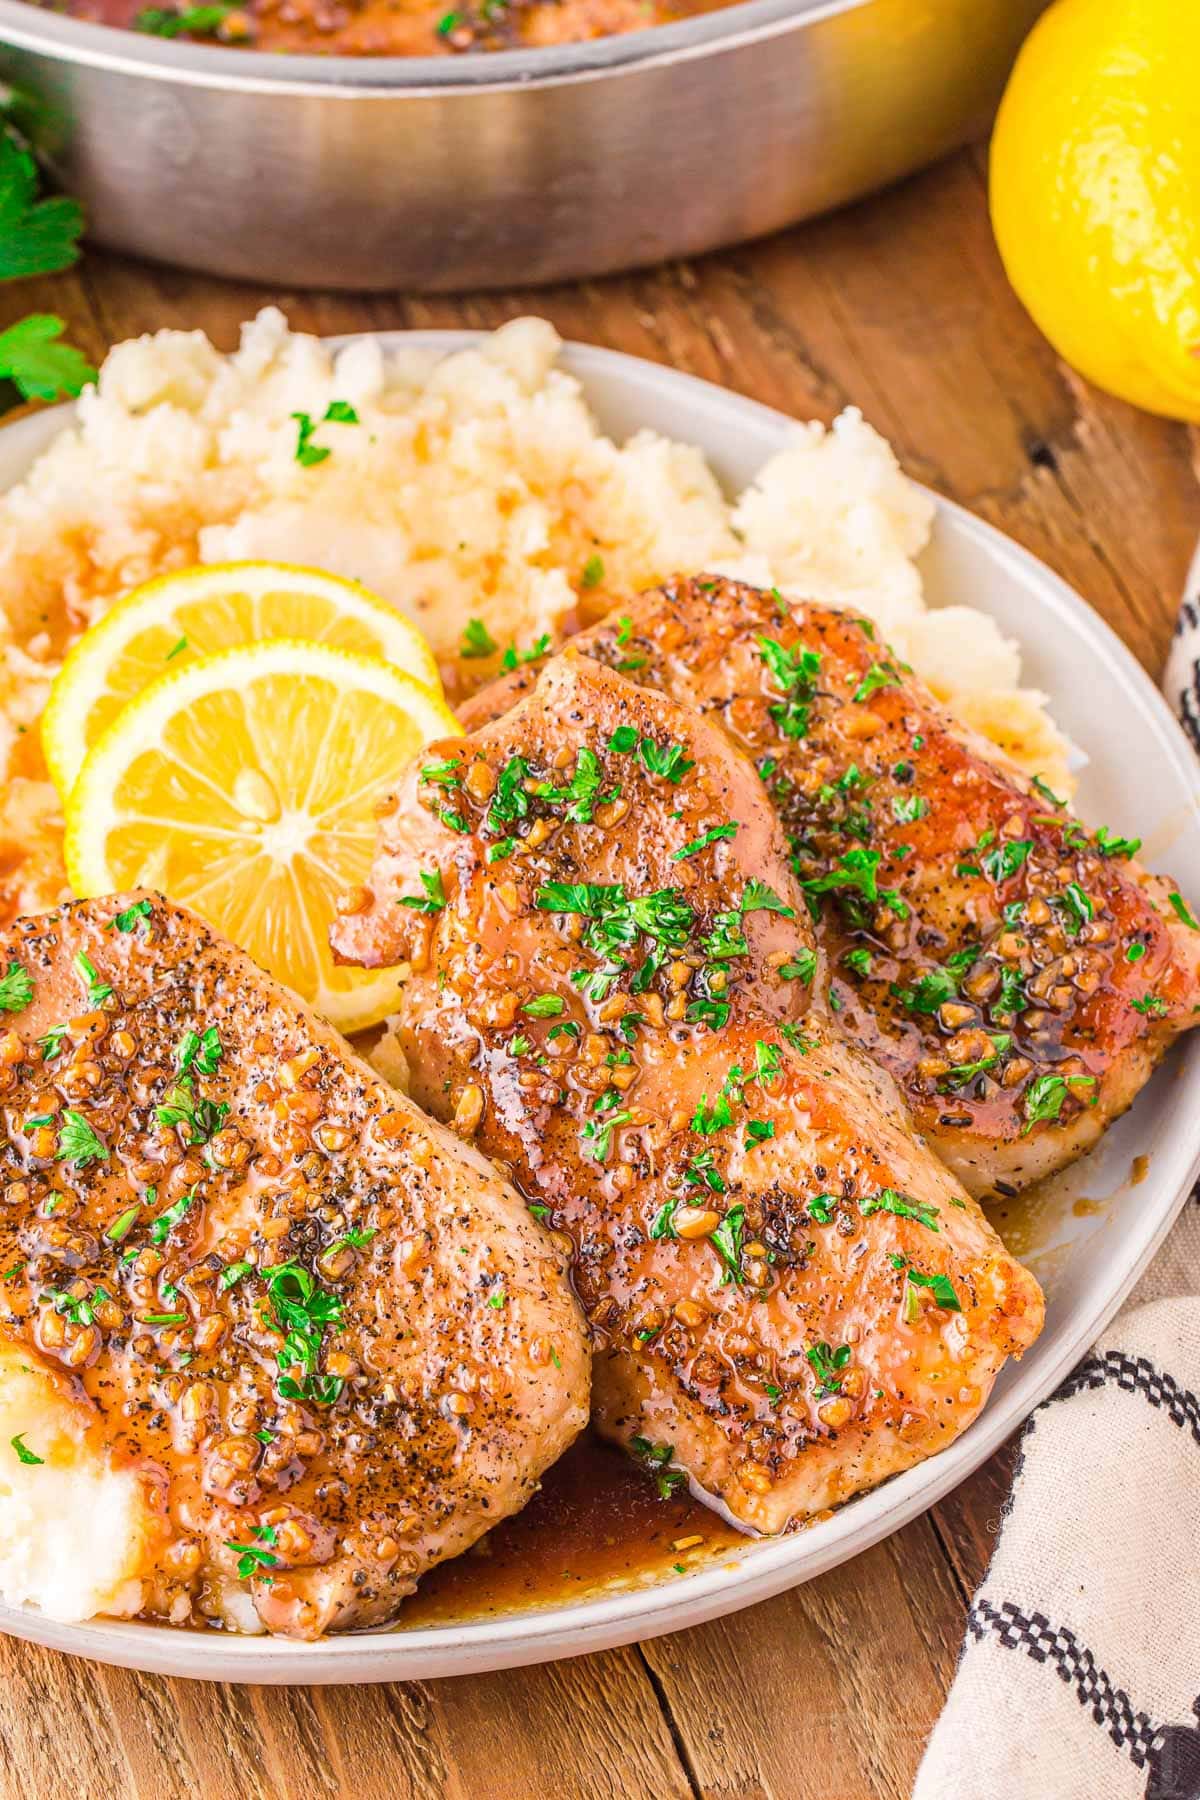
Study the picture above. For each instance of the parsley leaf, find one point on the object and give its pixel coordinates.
(434, 897)
(1044, 1097)
(37, 237)
(477, 640)
(16, 989)
(37, 364)
(78, 1143)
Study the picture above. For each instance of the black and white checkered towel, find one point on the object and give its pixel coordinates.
(1080, 1672)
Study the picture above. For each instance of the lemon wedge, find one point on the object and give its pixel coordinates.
(170, 621)
(244, 785)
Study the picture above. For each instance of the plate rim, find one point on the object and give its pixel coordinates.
(733, 1581)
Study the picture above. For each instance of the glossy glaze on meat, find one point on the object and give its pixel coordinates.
(328, 1338)
(610, 982)
(1019, 975)
(390, 27)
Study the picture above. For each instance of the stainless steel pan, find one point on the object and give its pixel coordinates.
(506, 169)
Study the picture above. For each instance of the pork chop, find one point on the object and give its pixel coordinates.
(317, 1343)
(1018, 974)
(610, 985)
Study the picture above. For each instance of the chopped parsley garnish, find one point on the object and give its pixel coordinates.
(801, 967)
(1044, 1097)
(514, 658)
(726, 1240)
(657, 1457)
(1135, 953)
(901, 1206)
(303, 1311)
(879, 675)
(940, 1286)
(859, 960)
(767, 1060)
(1007, 859)
(855, 873)
(433, 899)
(1047, 793)
(713, 836)
(199, 1050)
(822, 1207)
(702, 1171)
(1181, 909)
(445, 772)
(497, 1299)
(98, 991)
(662, 1225)
(182, 1106)
(131, 917)
(253, 1558)
(477, 640)
(78, 1144)
(1151, 1006)
(1109, 844)
(544, 1006)
(123, 1224)
(166, 1221)
(669, 761)
(795, 673)
(51, 1042)
(908, 808)
(582, 794)
(189, 21)
(232, 1273)
(710, 1119)
(16, 989)
(964, 1072)
(24, 1453)
(569, 1028)
(1075, 908)
(759, 1130)
(519, 1045)
(593, 572)
(338, 412)
(758, 897)
(828, 1365)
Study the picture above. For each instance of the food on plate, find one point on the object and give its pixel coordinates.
(273, 1343)
(389, 27)
(1096, 198)
(244, 784)
(169, 622)
(1018, 975)
(473, 492)
(614, 988)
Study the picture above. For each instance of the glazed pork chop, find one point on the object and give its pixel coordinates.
(1019, 975)
(610, 966)
(271, 1342)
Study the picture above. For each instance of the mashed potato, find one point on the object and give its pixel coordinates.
(474, 486)
(74, 1531)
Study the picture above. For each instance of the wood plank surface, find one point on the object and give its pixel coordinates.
(827, 1693)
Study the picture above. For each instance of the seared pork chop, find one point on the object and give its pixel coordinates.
(609, 987)
(326, 1340)
(1019, 975)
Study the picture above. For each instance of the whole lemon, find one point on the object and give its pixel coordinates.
(1095, 193)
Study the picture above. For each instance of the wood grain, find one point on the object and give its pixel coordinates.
(899, 306)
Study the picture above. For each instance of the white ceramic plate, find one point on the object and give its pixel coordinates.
(1141, 778)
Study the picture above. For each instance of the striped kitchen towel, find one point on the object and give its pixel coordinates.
(1080, 1671)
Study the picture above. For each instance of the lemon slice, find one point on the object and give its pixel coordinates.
(244, 786)
(216, 606)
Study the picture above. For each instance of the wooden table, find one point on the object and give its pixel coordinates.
(901, 307)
